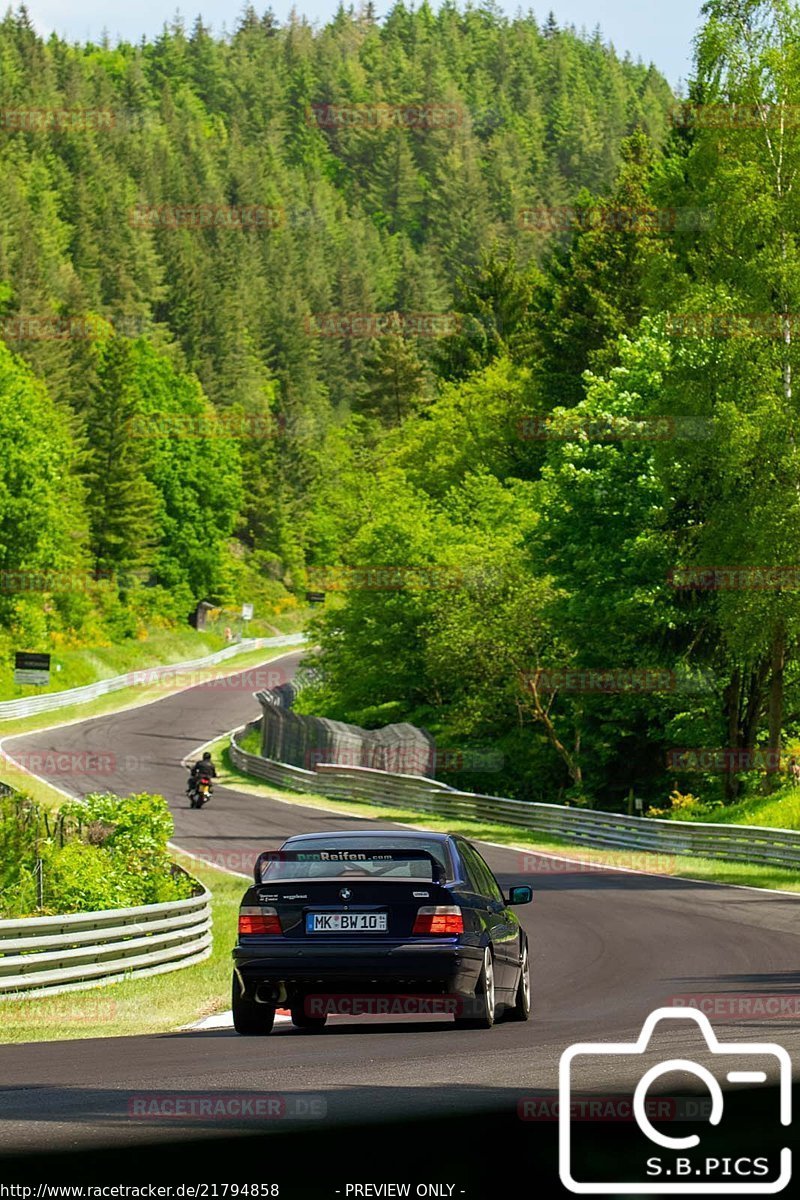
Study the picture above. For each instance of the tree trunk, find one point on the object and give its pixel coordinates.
(754, 705)
(777, 663)
(542, 715)
(733, 700)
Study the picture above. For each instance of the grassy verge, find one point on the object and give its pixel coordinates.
(701, 869)
(133, 696)
(158, 1004)
(76, 667)
(780, 811)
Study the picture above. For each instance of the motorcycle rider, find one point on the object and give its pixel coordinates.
(203, 769)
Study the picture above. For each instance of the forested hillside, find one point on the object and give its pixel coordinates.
(412, 293)
(607, 480)
(127, 325)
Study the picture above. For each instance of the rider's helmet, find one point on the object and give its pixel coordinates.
(207, 755)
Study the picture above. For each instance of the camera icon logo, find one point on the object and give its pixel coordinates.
(683, 1165)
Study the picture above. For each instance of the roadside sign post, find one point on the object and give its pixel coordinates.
(31, 668)
(247, 615)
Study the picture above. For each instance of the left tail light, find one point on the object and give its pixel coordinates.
(262, 921)
(443, 919)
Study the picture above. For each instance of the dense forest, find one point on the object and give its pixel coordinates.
(463, 297)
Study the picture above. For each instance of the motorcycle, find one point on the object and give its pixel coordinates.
(200, 792)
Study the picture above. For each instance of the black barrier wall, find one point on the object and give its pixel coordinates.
(306, 741)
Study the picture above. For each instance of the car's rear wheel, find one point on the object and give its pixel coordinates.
(301, 1019)
(522, 1004)
(484, 1002)
(249, 1018)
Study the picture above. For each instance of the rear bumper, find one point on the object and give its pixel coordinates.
(403, 969)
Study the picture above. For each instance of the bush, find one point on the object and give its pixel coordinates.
(684, 806)
(142, 822)
(81, 878)
(114, 856)
(20, 827)
(250, 742)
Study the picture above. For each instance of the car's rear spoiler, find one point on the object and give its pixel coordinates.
(348, 855)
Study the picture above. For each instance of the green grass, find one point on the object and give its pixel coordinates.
(780, 811)
(77, 667)
(250, 742)
(158, 1004)
(701, 869)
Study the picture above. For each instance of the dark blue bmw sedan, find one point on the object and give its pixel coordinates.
(378, 922)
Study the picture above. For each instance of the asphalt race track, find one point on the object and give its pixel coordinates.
(607, 948)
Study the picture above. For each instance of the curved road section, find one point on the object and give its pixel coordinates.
(608, 948)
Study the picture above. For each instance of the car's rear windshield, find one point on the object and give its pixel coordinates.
(343, 857)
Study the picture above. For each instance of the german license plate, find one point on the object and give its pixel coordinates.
(346, 922)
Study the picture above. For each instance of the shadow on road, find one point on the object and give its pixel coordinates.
(478, 1140)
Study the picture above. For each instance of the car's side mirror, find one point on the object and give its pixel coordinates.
(520, 895)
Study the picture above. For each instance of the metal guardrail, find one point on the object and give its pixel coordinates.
(755, 844)
(47, 955)
(29, 705)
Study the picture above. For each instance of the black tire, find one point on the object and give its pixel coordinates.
(301, 1019)
(484, 1002)
(249, 1018)
(522, 1002)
